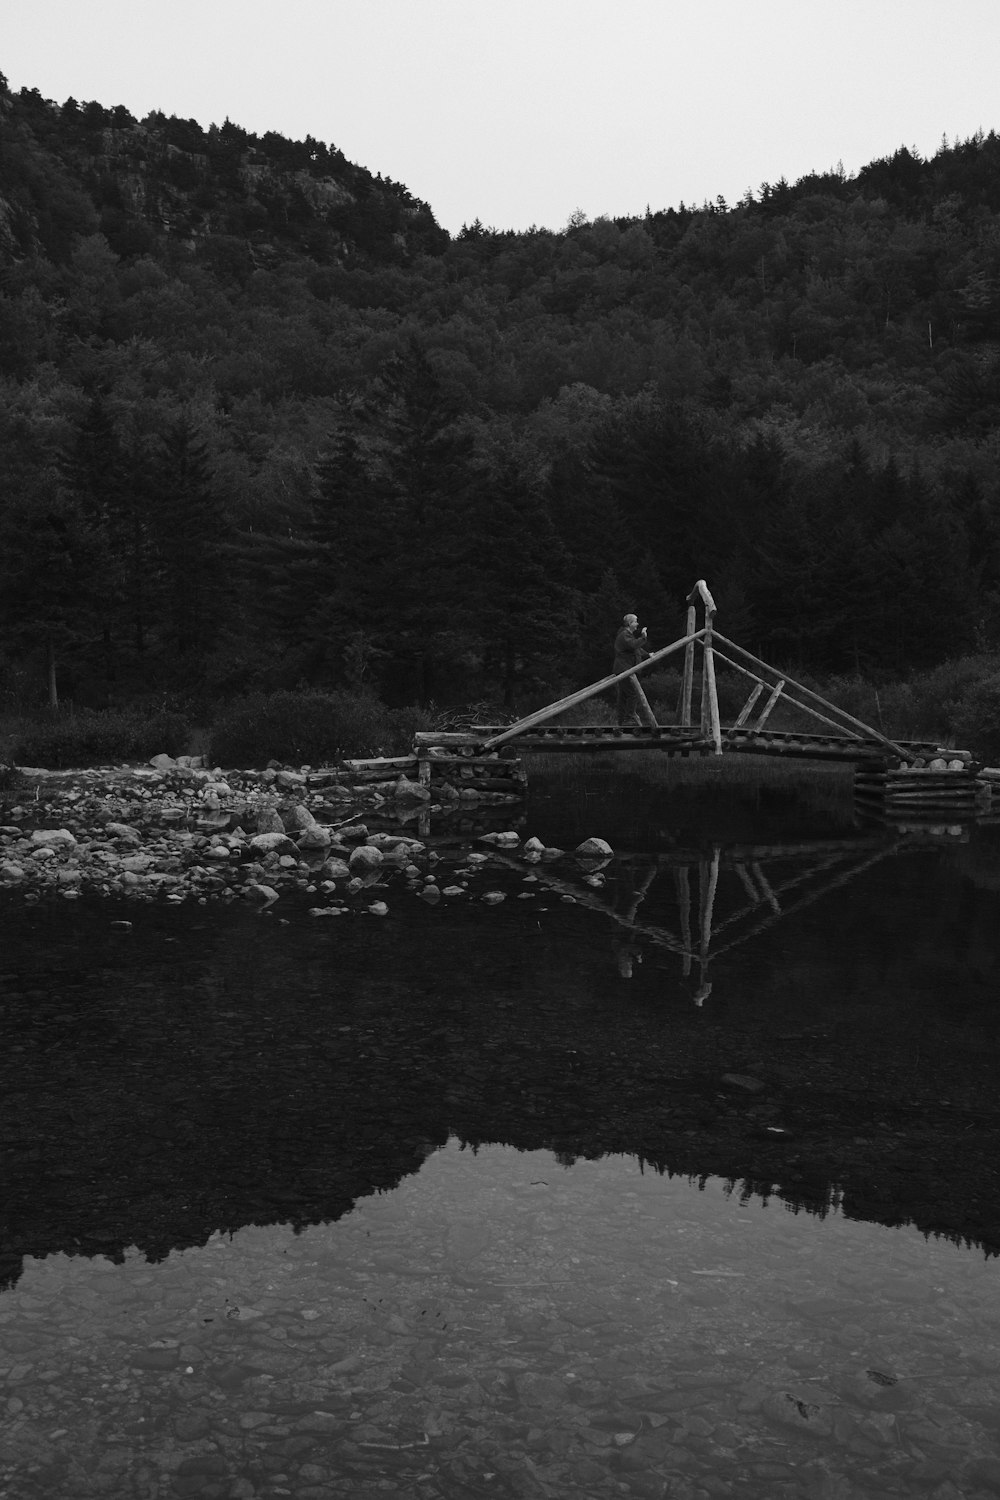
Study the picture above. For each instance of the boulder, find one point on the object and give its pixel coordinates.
(290, 781)
(314, 837)
(335, 869)
(301, 817)
(594, 849)
(363, 858)
(263, 895)
(162, 762)
(410, 791)
(269, 821)
(11, 870)
(273, 843)
(123, 831)
(386, 841)
(51, 838)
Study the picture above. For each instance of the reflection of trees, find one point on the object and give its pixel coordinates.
(213, 1071)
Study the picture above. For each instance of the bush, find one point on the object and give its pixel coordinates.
(976, 720)
(89, 738)
(311, 728)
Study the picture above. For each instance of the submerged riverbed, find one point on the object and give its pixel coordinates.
(674, 1175)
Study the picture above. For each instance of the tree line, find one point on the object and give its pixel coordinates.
(263, 423)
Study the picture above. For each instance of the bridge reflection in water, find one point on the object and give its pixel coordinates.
(723, 895)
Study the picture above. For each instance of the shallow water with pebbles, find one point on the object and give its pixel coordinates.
(501, 1324)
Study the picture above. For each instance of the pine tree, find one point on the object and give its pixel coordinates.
(426, 465)
(190, 535)
(525, 614)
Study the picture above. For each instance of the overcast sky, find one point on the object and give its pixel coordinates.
(520, 112)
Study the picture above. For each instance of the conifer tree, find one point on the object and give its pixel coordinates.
(191, 530)
(525, 614)
(426, 465)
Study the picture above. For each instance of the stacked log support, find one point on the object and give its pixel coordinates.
(456, 767)
(937, 790)
(448, 767)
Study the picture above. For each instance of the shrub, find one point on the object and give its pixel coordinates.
(95, 738)
(311, 728)
(10, 778)
(976, 721)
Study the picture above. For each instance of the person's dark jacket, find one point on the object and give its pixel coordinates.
(630, 647)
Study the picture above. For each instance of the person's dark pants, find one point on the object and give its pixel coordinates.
(627, 702)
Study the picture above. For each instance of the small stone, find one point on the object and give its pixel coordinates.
(798, 1412)
(493, 898)
(743, 1081)
(379, 909)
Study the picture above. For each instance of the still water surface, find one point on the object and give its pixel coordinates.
(684, 1186)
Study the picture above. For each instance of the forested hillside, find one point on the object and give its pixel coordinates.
(263, 423)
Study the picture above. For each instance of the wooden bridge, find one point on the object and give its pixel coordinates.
(914, 774)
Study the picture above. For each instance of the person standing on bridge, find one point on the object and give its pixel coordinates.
(630, 648)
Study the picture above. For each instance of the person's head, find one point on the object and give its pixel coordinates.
(631, 621)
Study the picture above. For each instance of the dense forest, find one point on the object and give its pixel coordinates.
(264, 424)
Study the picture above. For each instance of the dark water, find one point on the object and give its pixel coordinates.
(673, 1177)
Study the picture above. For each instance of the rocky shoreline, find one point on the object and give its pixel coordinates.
(176, 831)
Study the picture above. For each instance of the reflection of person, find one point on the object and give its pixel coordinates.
(627, 952)
(630, 648)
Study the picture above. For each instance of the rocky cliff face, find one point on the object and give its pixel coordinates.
(69, 170)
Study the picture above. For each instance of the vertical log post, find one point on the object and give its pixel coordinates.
(687, 680)
(683, 879)
(709, 694)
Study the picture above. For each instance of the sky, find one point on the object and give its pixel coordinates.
(524, 112)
